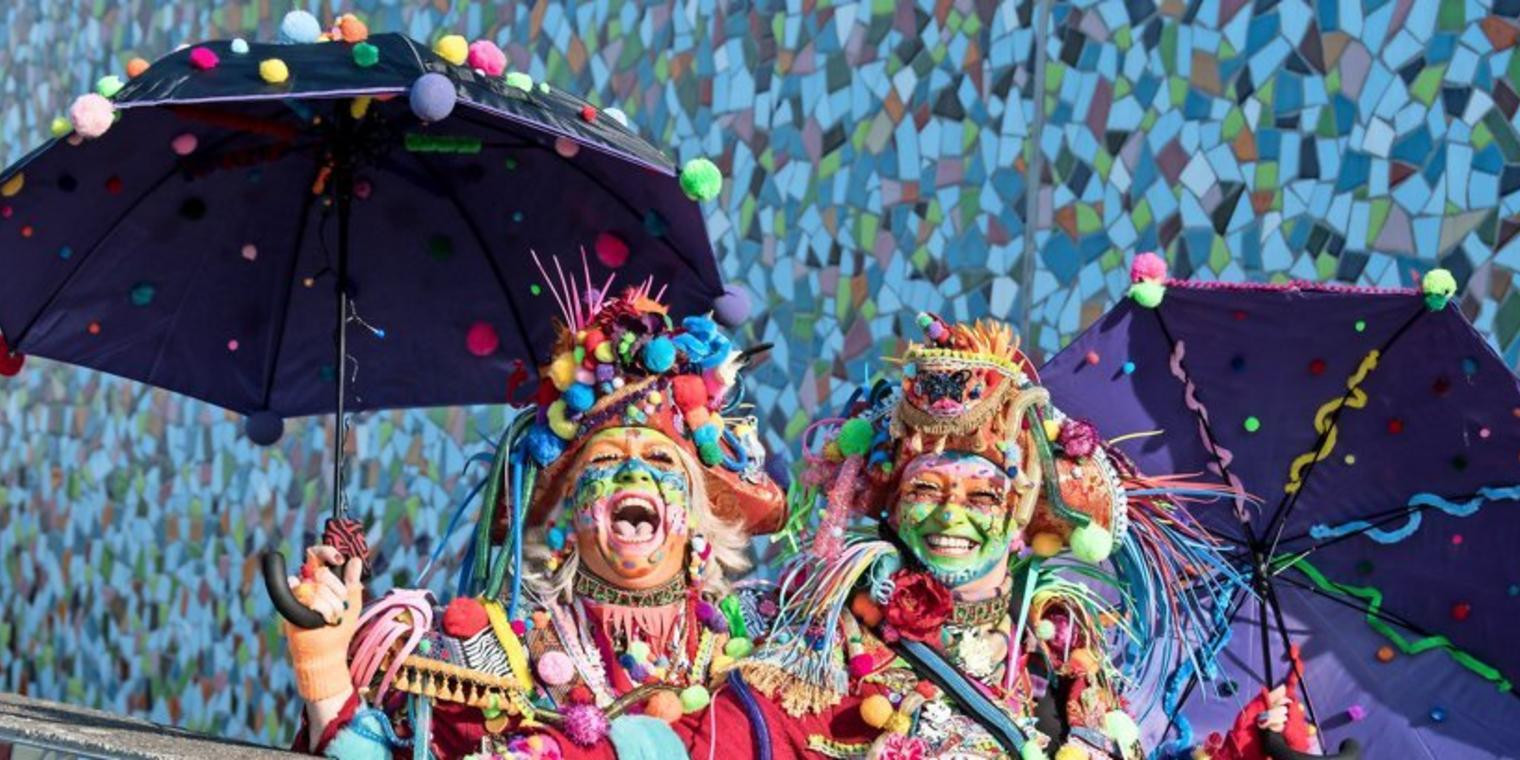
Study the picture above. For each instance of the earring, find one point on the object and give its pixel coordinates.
(698, 551)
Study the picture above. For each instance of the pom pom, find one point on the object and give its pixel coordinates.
(1092, 543)
(108, 85)
(481, 339)
(452, 48)
(1045, 544)
(855, 437)
(876, 710)
(694, 698)
(664, 705)
(10, 362)
(1032, 751)
(617, 115)
(464, 617)
(1438, 286)
(520, 81)
(711, 454)
(91, 115)
(555, 668)
(584, 724)
(264, 428)
(580, 695)
(273, 71)
(204, 59)
(638, 650)
(366, 55)
(733, 307)
(1461, 611)
(738, 647)
(1072, 752)
(1148, 293)
(238, 46)
(1147, 266)
(59, 127)
(433, 97)
(136, 67)
(351, 29)
(689, 392)
(1356, 712)
(559, 423)
(555, 538)
(486, 56)
(706, 434)
(659, 354)
(861, 666)
(866, 609)
(11, 187)
(184, 144)
(611, 250)
(706, 613)
(1044, 630)
(579, 397)
(701, 180)
(566, 147)
(1438, 714)
(544, 447)
(299, 28)
(562, 371)
(1120, 727)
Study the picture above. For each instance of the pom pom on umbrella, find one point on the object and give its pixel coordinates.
(732, 308)
(701, 180)
(273, 71)
(366, 55)
(1438, 286)
(136, 67)
(611, 250)
(452, 48)
(1147, 266)
(433, 97)
(264, 428)
(486, 56)
(107, 86)
(204, 58)
(299, 27)
(482, 340)
(91, 115)
(10, 363)
(350, 29)
(617, 115)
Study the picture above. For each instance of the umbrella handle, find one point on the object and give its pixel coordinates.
(1278, 749)
(298, 614)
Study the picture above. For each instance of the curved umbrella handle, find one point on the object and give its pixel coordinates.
(1278, 749)
(298, 614)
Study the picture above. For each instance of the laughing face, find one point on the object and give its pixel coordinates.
(629, 507)
(952, 513)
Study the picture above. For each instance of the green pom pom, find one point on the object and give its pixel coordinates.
(701, 180)
(1092, 543)
(366, 55)
(107, 86)
(1120, 727)
(694, 698)
(1147, 293)
(639, 651)
(1032, 751)
(60, 126)
(520, 80)
(855, 437)
(1439, 286)
(710, 454)
(738, 647)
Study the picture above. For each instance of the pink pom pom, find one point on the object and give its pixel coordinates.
(861, 665)
(202, 58)
(91, 115)
(484, 55)
(1147, 266)
(554, 668)
(1356, 712)
(611, 250)
(566, 147)
(183, 145)
(482, 340)
(584, 724)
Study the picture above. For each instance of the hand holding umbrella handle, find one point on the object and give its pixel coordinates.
(284, 600)
(1277, 748)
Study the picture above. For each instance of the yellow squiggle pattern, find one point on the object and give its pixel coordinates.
(1356, 400)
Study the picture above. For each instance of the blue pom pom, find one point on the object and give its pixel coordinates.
(299, 27)
(706, 435)
(433, 97)
(579, 397)
(543, 445)
(626, 660)
(555, 539)
(659, 354)
(264, 428)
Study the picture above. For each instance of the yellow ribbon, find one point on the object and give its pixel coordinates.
(517, 657)
(1329, 431)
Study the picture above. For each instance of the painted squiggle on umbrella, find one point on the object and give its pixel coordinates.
(1329, 431)
(1222, 455)
(1322, 531)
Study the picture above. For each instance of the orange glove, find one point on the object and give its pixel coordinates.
(320, 655)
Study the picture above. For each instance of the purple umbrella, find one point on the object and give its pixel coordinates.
(241, 209)
(1372, 439)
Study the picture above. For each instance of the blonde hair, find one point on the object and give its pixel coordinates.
(730, 546)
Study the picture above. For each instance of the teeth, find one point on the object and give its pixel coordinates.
(939, 541)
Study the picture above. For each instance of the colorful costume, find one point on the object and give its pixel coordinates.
(594, 606)
(921, 497)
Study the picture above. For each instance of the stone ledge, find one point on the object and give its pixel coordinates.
(96, 734)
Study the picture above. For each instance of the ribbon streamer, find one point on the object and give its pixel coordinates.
(1321, 531)
(1328, 430)
(1222, 455)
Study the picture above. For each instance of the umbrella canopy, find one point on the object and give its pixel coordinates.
(1376, 434)
(197, 244)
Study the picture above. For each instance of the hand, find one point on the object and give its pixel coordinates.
(322, 591)
(1275, 717)
(320, 655)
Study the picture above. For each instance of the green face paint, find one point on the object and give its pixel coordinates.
(952, 515)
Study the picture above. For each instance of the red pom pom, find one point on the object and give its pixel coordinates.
(464, 617)
(519, 628)
(482, 340)
(588, 113)
(10, 363)
(861, 665)
(689, 392)
(611, 250)
(926, 689)
(1317, 367)
(113, 185)
(1460, 611)
(202, 58)
(580, 695)
(1092, 357)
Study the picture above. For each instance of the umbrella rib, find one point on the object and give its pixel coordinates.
(485, 252)
(284, 311)
(1285, 507)
(1373, 523)
(1287, 642)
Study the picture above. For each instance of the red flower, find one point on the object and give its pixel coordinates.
(919, 606)
(899, 747)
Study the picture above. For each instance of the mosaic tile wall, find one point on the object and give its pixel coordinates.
(877, 165)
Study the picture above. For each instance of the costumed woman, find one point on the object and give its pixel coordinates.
(962, 621)
(595, 603)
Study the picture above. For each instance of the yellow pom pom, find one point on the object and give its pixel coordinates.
(452, 48)
(13, 185)
(360, 106)
(562, 427)
(562, 371)
(1072, 752)
(721, 663)
(60, 126)
(1052, 429)
(899, 724)
(1045, 544)
(273, 71)
(603, 352)
(877, 711)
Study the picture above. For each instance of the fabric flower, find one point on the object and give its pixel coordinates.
(703, 345)
(899, 747)
(1078, 437)
(919, 606)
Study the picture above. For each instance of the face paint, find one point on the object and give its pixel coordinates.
(952, 513)
(629, 506)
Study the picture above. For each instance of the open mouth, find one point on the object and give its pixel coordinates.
(946, 407)
(943, 545)
(636, 520)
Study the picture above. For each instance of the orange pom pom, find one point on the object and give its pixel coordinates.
(136, 67)
(1385, 654)
(664, 705)
(876, 711)
(352, 29)
(866, 610)
(689, 392)
(464, 617)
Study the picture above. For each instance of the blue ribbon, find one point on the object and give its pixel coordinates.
(1321, 531)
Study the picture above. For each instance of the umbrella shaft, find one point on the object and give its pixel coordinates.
(343, 186)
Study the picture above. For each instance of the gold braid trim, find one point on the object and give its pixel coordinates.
(836, 749)
(906, 417)
(439, 680)
(797, 696)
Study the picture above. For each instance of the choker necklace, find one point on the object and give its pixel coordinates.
(589, 587)
(983, 613)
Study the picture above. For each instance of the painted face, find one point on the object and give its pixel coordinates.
(629, 507)
(952, 513)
